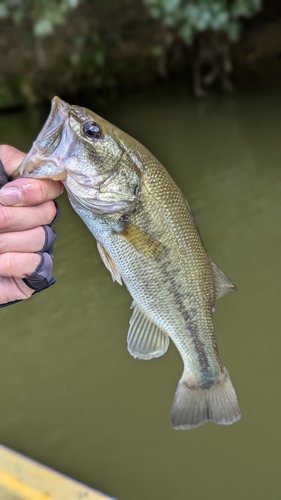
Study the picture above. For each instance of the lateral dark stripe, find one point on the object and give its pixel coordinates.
(180, 301)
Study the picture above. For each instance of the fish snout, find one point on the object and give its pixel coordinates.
(44, 160)
(58, 105)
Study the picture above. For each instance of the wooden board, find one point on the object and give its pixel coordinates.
(24, 479)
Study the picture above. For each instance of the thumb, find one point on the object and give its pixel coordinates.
(11, 157)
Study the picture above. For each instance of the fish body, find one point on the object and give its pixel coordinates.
(148, 238)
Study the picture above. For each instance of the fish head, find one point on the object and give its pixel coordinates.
(80, 149)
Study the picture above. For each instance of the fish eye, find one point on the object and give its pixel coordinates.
(92, 130)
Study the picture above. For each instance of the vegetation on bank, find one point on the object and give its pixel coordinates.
(71, 46)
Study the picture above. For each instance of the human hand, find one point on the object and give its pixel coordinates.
(26, 210)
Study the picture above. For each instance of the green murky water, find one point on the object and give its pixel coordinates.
(70, 394)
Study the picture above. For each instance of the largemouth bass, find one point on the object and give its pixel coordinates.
(147, 236)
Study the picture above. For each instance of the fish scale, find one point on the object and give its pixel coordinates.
(147, 236)
(178, 295)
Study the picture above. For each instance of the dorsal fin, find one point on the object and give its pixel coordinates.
(145, 339)
(109, 263)
(222, 283)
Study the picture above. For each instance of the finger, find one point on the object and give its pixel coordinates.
(18, 219)
(29, 192)
(18, 265)
(32, 240)
(42, 276)
(25, 290)
(13, 289)
(11, 157)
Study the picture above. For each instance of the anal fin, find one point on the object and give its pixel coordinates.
(145, 339)
(109, 263)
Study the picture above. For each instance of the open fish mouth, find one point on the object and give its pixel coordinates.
(41, 162)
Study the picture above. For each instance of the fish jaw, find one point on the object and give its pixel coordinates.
(38, 168)
(45, 158)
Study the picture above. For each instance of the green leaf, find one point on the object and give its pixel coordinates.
(220, 20)
(186, 33)
(204, 20)
(3, 11)
(169, 20)
(155, 12)
(99, 58)
(170, 5)
(233, 30)
(43, 27)
(73, 3)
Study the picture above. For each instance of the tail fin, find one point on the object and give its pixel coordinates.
(194, 405)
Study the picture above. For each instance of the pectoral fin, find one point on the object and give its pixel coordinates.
(142, 241)
(222, 283)
(145, 339)
(109, 263)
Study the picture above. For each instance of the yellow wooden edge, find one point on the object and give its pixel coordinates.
(33, 481)
(12, 484)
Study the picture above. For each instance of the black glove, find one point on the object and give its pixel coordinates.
(42, 277)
